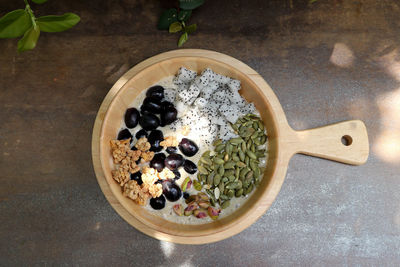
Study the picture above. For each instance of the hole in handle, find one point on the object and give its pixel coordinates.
(347, 140)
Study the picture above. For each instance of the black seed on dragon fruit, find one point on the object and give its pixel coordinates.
(156, 91)
(174, 161)
(124, 134)
(149, 121)
(132, 116)
(152, 105)
(155, 137)
(188, 147)
(190, 167)
(158, 162)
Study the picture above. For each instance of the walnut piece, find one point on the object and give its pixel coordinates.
(169, 141)
(142, 144)
(155, 190)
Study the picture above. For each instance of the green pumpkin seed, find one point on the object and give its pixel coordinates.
(235, 149)
(219, 148)
(254, 135)
(225, 204)
(233, 185)
(236, 141)
(202, 170)
(248, 132)
(212, 202)
(239, 192)
(249, 176)
(243, 172)
(253, 164)
(263, 139)
(218, 161)
(257, 141)
(247, 160)
(251, 154)
(253, 148)
(257, 172)
(217, 142)
(237, 173)
(206, 154)
(224, 180)
(231, 178)
(231, 193)
(260, 125)
(217, 179)
(243, 146)
(228, 148)
(255, 125)
(223, 197)
(249, 189)
(229, 172)
(241, 155)
(235, 158)
(241, 164)
(220, 156)
(210, 178)
(221, 187)
(221, 170)
(206, 160)
(248, 144)
(229, 165)
(197, 185)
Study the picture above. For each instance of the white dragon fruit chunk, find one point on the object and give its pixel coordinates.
(230, 112)
(219, 96)
(181, 108)
(200, 102)
(186, 75)
(249, 108)
(170, 94)
(234, 85)
(209, 74)
(221, 78)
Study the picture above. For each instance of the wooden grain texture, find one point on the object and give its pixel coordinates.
(323, 142)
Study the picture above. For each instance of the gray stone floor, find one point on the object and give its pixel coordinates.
(327, 62)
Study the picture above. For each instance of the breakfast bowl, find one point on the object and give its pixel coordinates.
(345, 142)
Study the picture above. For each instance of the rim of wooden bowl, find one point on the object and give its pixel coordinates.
(246, 215)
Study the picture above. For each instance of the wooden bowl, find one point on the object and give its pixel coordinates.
(284, 142)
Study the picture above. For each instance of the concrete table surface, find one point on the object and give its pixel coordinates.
(327, 62)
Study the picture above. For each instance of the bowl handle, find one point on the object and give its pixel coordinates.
(345, 142)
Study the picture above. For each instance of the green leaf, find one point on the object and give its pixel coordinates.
(39, 1)
(14, 24)
(191, 28)
(184, 15)
(175, 27)
(57, 23)
(168, 17)
(29, 40)
(183, 39)
(190, 4)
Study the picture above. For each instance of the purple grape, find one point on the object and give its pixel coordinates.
(124, 134)
(157, 203)
(174, 161)
(158, 162)
(156, 91)
(188, 147)
(171, 190)
(132, 117)
(149, 122)
(155, 137)
(190, 167)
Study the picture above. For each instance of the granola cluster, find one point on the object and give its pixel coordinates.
(169, 141)
(127, 159)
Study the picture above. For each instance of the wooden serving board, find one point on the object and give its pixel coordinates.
(284, 142)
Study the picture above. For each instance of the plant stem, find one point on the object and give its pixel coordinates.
(30, 12)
